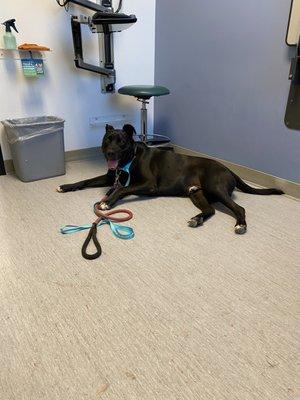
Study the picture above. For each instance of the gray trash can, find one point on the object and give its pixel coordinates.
(37, 146)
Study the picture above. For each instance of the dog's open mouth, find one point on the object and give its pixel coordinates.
(112, 164)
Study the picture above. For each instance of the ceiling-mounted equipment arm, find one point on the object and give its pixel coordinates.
(105, 21)
(78, 52)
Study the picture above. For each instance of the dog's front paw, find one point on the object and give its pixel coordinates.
(59, 189)
(104, 206)
(67, 188)
(194, 222)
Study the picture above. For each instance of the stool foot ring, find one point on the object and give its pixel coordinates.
(153, 140)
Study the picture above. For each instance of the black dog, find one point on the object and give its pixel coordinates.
(158, 172)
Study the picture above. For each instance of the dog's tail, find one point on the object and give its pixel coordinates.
(248, 189)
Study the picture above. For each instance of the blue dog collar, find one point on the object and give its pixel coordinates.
(126, 169)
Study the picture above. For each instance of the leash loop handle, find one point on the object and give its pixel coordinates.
(104, 218)
(121, 231)
(91, 236)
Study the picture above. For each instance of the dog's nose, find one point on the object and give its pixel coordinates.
(110, 154)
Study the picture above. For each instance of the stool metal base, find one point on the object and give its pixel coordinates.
(150, 140)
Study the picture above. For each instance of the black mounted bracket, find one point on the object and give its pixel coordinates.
(2, 166)
(292, 115)
(104, 22)
(78, 51)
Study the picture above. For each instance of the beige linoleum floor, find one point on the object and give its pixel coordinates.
(176, 313)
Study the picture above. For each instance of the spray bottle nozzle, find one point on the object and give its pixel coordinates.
(10, 23)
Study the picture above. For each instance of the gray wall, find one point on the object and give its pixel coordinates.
(227, 66)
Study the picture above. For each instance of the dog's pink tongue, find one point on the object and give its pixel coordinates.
(112, 164)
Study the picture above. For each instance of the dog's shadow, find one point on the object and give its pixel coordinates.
(217, 205)
(135, 199)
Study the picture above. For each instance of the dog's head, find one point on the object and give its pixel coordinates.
(118, 145)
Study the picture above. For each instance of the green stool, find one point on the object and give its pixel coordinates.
(143, 93)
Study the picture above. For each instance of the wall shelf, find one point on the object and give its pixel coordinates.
(17, 54)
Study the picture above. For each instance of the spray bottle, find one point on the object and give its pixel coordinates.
(9, 39)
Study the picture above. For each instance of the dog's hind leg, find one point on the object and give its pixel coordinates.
(224, 197)
(220, 187)
(200, 202)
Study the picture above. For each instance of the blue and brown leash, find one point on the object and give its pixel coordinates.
(105, 218)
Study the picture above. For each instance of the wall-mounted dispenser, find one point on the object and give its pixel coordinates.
(292, 115)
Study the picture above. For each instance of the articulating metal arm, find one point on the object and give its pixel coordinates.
(104, 21)
(77, 41)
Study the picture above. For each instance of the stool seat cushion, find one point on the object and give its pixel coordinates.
(144, 91)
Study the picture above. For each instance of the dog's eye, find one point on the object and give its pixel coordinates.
(109, 139)
(121, 141)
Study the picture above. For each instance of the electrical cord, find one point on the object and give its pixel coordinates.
(66, 4)
(119, 6)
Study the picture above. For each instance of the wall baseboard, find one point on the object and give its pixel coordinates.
(257, 177)
(83, 154)
(9, 166)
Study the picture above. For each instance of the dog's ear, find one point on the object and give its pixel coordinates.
(129, 129)
(109, 128)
